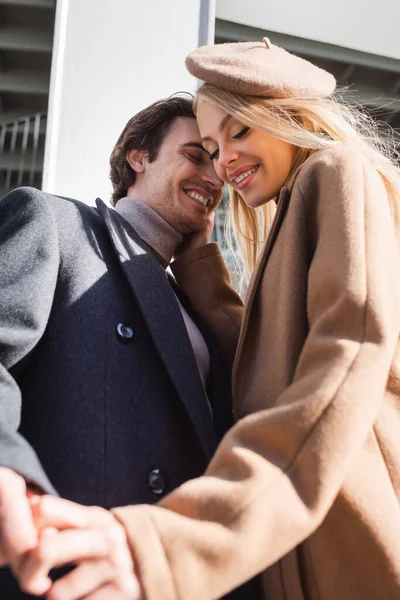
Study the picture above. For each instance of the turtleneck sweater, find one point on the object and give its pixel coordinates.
(164, 240)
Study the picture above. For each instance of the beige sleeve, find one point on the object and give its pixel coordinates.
(202, 274)
(277, 472)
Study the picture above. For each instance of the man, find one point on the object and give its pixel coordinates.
(111, 391)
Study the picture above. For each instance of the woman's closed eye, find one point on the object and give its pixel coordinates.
(242, 133)
(214, 154)
(238, 136)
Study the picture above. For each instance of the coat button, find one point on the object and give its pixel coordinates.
(124, 332)
(156, 482)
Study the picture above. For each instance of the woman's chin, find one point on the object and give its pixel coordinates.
(253, 201)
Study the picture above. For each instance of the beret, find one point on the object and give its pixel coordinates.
(259, 69)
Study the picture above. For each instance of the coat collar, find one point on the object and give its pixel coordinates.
(160, 309)
(282, 205)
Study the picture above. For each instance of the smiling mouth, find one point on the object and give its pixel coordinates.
(205, 200)
(243, 176)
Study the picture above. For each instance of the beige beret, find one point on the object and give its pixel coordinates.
(259, 69)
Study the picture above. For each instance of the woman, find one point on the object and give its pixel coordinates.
(306, 486)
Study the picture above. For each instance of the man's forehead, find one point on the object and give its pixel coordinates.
(185, 131)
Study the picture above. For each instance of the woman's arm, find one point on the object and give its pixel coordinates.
(202, 274)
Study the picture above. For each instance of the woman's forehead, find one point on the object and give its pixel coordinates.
(211, 117)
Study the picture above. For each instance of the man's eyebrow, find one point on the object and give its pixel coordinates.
(192, 145)
(221, 127)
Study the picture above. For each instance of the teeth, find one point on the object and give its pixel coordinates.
(244, 175)
(198, 197)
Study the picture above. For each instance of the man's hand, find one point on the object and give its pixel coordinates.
(89, 537)
(18, 533)
(197, 239)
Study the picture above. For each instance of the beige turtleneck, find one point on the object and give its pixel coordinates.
(164, 240)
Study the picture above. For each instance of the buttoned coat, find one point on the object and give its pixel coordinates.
(100, 395)
(306, 486)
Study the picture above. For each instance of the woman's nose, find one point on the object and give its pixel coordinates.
(226, 157)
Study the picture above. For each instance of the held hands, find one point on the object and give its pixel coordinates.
(39, 533)
(90, 537)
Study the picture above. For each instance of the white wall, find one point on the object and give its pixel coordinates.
(365, 25)
(112, 58)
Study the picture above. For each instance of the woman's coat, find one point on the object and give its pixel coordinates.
(306, 485)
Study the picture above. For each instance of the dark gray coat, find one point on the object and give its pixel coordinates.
(86, 410)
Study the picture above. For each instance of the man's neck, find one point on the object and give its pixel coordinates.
(151, 227)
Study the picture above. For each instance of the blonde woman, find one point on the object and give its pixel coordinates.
(305, 488)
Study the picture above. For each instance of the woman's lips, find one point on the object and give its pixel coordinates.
(245, 178)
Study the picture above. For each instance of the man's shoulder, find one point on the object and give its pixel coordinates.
(33, 202)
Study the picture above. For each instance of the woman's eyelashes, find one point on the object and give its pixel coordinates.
(214, 155)
(242, 133)
(238, 136)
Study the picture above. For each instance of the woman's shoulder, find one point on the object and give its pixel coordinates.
(336, 166)
(335, 157)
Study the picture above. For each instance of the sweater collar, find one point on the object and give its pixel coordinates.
(151, 227)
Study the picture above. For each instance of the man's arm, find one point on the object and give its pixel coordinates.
(28, 274)
(29, 261)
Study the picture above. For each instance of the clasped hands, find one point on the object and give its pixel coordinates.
(39, 533)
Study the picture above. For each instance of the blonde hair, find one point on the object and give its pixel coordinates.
(310, 124)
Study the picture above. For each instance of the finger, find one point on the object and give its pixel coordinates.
(130, 586)
(34, 502)
(64, 548)
(18, 531)
(33, 573)
(83, 580)
(112, 592)
(64, 514)
(3, 557)
(107, 592)
(32, 494)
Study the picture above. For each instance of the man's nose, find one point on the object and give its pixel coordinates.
(210, 176)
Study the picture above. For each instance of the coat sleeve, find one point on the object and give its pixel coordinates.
(28, 274)
(203, 276)
(277, 472)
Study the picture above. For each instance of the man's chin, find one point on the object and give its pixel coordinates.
(193, 224)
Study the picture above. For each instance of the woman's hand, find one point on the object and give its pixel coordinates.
(197, 239)
(89, 537)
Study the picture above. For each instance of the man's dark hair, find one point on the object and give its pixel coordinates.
(145, 132)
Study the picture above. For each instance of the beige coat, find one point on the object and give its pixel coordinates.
(306, 486)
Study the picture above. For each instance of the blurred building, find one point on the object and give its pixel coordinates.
(73, 71)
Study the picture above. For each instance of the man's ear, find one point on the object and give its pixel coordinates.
(136, 160)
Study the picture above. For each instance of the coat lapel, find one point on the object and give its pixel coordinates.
(161, 311)
(219, 389)
(283, 203)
